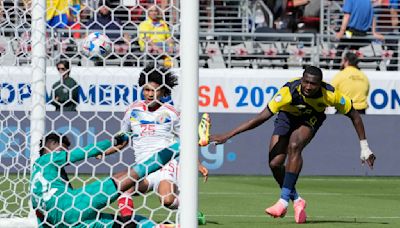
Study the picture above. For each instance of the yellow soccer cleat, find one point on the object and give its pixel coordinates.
(204, 129)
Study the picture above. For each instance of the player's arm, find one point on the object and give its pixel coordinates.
(366, 153)
(103, 147)
(88, 151)
(344, 105)
(280, 99)
(259, 119)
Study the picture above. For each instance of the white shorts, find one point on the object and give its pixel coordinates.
(168, 172)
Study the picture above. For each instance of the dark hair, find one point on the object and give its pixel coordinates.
(64, 62)
(159, 75)
(54, 137)
(352, 58)
(313, 70)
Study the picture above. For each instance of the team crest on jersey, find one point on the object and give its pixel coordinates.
(134, 116)
(163, 117)
(342, 101)
(278, 98)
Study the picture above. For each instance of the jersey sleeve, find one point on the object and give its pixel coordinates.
(90, 150)
(177, 125)
(342, 103)
(280, 99)
(347, 6)
(125, 124)
(58, 157)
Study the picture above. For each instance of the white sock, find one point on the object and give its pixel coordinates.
(284, 202)
(297, 200)
(124, 195)
(175, 204)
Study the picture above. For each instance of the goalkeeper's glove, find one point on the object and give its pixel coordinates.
(365, 151)
(120, 138)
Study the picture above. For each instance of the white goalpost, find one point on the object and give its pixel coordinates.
(38, 107)
(190, 84)
(27, 115)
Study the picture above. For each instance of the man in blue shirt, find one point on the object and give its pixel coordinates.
(358, 19)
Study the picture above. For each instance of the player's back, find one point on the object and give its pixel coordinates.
(46, 177)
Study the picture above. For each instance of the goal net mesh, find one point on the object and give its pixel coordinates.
(92, 109)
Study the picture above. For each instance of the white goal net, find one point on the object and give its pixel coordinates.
(87, 100)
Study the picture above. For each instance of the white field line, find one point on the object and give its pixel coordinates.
(349, 179)
(302, 193)
(317, 216)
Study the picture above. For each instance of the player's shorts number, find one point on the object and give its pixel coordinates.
(312, 121)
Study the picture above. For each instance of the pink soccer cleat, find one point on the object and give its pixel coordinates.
(167, 226)
(300, 211)
(277, 210)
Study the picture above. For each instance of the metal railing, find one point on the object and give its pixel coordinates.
(226, 50)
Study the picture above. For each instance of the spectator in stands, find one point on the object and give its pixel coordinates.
(287, 13)
(57, 13)
(394, 6)
(105, 21)
(1, 12)
(357, 21)
(352, 82)
(309, 22)
(154, 34)
(65, 91)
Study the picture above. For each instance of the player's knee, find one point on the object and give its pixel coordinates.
(294, 147)
(274, 164)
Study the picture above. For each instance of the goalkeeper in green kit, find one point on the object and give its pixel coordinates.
(57, 204)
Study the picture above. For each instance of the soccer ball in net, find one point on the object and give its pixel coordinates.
(96, 44)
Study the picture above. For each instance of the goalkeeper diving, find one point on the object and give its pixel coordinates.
(58, 204)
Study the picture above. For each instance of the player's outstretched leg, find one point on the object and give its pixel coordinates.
(204, 129)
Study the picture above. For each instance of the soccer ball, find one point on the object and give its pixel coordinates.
(96, 44)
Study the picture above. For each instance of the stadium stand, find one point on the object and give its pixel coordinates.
(229, 35)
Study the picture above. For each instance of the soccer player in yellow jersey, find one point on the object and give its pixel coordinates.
(299, 106)
(352, 82)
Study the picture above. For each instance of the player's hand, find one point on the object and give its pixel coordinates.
(339, 35)
(378, 36)
(370, 161)
(121, 139)
(100, 157)
(204, 171)
(366, 155)
(219, 139)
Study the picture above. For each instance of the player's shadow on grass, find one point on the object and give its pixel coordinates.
(213, 222)
(344, 222)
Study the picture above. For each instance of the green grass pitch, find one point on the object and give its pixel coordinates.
(239, 201)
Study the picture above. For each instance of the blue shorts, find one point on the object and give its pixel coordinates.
(286, 123)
